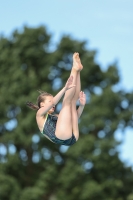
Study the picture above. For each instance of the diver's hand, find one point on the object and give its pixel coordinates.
(82, 98)
(69, 83)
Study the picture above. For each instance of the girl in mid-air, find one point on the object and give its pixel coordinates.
(62, 129)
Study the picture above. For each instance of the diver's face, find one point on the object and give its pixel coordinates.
(49, 99)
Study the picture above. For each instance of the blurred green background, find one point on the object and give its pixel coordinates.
(33, 168)
(33, 57)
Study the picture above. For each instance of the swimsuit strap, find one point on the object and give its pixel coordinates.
(46, 117)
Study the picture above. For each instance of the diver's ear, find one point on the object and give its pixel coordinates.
(41, 104)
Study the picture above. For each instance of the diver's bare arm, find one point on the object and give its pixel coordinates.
(58, 96)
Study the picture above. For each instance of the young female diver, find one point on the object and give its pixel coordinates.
(62, 129)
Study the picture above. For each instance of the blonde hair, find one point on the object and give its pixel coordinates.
(40, 98)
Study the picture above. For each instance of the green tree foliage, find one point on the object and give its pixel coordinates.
(33, 168)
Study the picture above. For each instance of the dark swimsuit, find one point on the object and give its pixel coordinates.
(49, 132)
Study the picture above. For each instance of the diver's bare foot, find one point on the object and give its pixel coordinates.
(76, 62)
